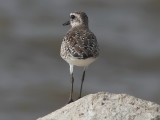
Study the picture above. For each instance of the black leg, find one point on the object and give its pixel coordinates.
(80, 94)
(71, 92)
(72, 81)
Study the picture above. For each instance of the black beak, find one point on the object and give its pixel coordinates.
(66, 23)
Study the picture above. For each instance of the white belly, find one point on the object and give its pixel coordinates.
(80, 62)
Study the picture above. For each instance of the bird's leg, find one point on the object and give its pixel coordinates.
(72, 81)
(80, 94)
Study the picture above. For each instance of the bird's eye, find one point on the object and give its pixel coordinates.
(72, 16)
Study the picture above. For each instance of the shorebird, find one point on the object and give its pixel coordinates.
(79, 46)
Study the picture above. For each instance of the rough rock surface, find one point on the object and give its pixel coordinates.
(107, 106)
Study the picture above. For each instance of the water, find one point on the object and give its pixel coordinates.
(34, 80)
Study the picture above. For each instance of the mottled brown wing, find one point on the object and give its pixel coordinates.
(82, 44)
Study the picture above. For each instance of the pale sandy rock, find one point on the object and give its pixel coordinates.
(107, 106)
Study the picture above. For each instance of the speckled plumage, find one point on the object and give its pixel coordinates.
(79, 42)
(79, 46)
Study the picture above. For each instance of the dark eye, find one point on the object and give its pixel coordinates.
(72, 16)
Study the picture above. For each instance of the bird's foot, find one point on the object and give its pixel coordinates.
(70, 100)
(78, 97)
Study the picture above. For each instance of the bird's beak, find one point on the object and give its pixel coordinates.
(66, 23)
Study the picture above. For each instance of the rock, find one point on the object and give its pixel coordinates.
(107, 106)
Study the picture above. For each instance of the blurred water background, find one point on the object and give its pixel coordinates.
(34, 80)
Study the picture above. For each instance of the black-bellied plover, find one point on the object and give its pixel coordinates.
(79, 46)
